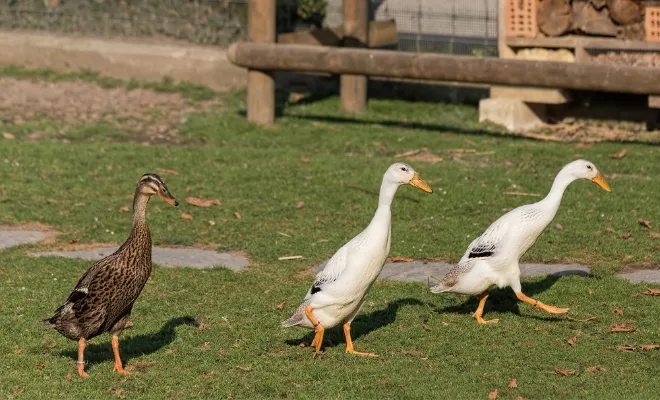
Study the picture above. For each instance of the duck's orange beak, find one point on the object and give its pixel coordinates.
(418, 182)
(600, 181)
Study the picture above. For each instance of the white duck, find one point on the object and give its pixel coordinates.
(339, 290)
(492, 258)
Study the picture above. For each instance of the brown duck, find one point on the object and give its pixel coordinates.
(104, 296)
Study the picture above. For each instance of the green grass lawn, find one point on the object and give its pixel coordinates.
(429, 345)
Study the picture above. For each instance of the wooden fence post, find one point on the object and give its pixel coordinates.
(261, 84)
(356, 31)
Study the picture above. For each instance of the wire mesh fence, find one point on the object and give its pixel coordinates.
(440, 26)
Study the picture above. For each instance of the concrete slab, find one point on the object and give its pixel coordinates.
(513, 114)
(165, 257)
(16, 238)
(419, 271)
(649, 276)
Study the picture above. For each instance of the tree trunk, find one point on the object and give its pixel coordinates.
(587, 19)
(625, 12)
(555, 17)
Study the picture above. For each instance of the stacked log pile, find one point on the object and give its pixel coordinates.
(623, 19)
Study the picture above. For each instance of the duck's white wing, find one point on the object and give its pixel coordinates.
(331, 272)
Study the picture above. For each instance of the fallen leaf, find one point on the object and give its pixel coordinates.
(625, 236)
(300, 205)
(305, 160)
(572, 340)
(652, 292)
(51, 201)
(202, 326)
(280, 306)
(595, 369)
(645, 223)
(200, 202)
(237, 215)
(167, 171)
(493, 395)
(205, 346)
(266, 291)
(400, 259)
(185, 215)
(649, 346)
(621, 328)
(8, 136)
(625, 348)
(619, 155)
(513, 384)
(559, 227)
(245, 369)
(426, 327)
(41, 366)
(654, 235)
(68, 377)
(564, 372)
(79, 204)
(302, 345)
(124, 209)
(618, 310)
(590, 292)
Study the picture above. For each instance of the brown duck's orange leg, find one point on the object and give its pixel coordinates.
(115, 350)
(540, 306)
(81, 358)
(318, 328)
(349, 343)
(478, 314)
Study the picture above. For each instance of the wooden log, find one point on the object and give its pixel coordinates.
(261, 81)
(353, 88)
(446, 68)
(625, 12)
(554, 17)
(381, 34)
(591, 21)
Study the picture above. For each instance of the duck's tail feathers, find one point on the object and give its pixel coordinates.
(296, 319)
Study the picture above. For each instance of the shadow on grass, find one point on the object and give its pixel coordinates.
(505, 301)
(362, 325)
(134, 346)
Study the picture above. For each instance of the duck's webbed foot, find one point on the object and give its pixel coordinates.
(478, 314)
(540, 306)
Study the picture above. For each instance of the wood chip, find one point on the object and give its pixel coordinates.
(619, 155)
(572, 340)
(185, 215)
(521, 194)
(237, 215)
(300, 205)
(652, 292)
(200, 202)
(290, 258)
(400, 259)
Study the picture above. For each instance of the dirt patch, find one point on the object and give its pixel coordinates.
(642, 266)
(138, 114)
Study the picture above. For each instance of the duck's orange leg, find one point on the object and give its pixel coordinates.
(349, 342)
(540, 306)
(115, 350)
(318, 328)
(81, 358)
(478, 314)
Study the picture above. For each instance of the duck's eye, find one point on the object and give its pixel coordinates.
(403, 169)
(589, 166)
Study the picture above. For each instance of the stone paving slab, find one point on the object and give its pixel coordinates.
(16, 238)
(165, 257)
(419, 271)
(650, 276)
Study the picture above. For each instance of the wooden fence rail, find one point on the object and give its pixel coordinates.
(448, 68)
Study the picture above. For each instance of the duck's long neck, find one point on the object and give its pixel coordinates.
(140, 229)
(553, 199)
(385, 198)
